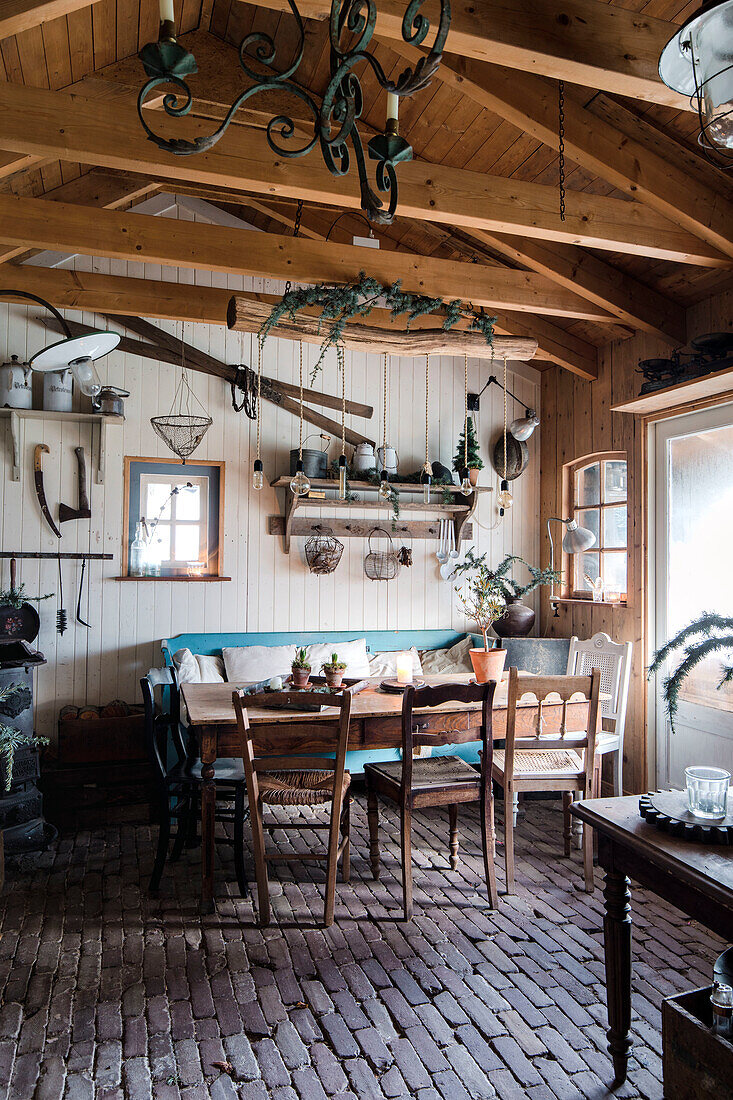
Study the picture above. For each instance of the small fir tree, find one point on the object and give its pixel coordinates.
(470, 452)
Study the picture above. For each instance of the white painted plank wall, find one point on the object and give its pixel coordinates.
(268, 590)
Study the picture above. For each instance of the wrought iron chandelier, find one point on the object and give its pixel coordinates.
(335, 119)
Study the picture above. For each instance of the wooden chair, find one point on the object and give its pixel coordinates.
(299, 780)
(179, 785)
(614, 661)
(435, 781)
(541, 760)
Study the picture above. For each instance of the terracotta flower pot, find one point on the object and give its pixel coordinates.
(517, 620)
(333, 677)
(488, 664)
(473, 474)
(301, 676)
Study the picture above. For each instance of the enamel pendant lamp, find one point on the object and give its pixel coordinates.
(698, 62)
(576, 540)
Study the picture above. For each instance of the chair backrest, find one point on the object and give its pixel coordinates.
(614, 661)
(333, 733)
(162, 717)
(555, 723)
(454, 732)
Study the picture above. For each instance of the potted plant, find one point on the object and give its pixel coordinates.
(334, 671)
(300, 669)
(483, 603)
(707, 635)
(518, 619)
(467, 453)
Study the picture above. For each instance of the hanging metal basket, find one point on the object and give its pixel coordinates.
(181, 433)
(381, 565)
(323, 552)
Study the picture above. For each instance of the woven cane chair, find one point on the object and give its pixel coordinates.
(300, 780)
(614, 661)
(436, 781)
(551, 756)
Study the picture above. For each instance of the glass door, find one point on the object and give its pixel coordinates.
(693, 538)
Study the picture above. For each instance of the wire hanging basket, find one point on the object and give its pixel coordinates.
(323, 551)
(381, 565)
(181, 430)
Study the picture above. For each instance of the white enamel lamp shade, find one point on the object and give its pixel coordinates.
(63, 353)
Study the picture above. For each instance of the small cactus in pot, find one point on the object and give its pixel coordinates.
(300, 669)
(334, 671)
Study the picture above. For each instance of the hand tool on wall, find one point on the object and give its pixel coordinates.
(81, 589)
(83, 511)
(61, 622)
(41, 449)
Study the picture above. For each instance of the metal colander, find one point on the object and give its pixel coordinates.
(381, 565)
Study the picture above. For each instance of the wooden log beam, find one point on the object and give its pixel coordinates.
(665, 183)
(582, 41)
(17, 16)
(36, 120)
(69, 228)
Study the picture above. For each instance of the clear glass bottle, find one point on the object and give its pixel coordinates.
(136, 564)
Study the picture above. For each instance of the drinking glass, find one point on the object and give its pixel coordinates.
(707, 791)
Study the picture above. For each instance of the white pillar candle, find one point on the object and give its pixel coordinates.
(404, 668)
(166, 11)
(393, 104)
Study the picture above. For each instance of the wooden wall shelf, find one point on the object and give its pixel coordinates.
(16, 415)
(458, 512)
(716, 386)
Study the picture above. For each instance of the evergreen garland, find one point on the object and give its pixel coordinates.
(340, 304)
(11, 738)
(711, 633)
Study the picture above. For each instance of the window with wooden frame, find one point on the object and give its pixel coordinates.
(179, 513)
(596, 490)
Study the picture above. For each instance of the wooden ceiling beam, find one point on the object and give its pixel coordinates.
(584, 42)
(36, 120)
(17, 16)
(68, 228)
(665, 183)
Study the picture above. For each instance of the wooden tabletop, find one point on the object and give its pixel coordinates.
(708, 867)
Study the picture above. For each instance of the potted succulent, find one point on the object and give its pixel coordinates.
(467, 453)
(483, 603)
(711, 633)
(300, 669)
(334, 671)
(518, 619)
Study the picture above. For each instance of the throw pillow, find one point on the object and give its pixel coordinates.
(454, 659)
(187, 667)
(250, 663)
(354, 653)
(211, 668)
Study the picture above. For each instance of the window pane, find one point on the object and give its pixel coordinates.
(614, 481)
(188, 503)
(159, 548)
(156, 495)
(590, 518)
(589, 563)
(614, 572)
(187, 543)
(588, 485)
(614, 526)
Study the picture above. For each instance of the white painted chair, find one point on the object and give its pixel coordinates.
(614, 661)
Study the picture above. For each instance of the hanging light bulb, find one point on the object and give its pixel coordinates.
(299, 484)
(427, 480)
(504, 498)
(341, 361)
(384, 486)
(427, 471)
(258, 478)
(85, 376)
(342, 477)
(466, 486)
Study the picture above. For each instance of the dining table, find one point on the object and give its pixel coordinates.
(376, 723)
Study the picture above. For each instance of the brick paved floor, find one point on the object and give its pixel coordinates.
(108, 994)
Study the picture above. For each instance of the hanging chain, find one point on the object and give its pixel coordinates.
(561, 144)
(296, 231)
(259, 390)
(341, 359)
(384, 404)
(505, 419)
(300, 419)
(465, 410)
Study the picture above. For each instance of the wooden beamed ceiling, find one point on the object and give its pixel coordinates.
(649, 221)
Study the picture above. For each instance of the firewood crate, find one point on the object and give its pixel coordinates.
(697, 1065)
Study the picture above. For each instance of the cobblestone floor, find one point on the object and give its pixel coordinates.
(109, 994)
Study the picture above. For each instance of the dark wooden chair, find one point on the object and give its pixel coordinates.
(438, 780)
(179, 784)
(299, 780)
(551, 756)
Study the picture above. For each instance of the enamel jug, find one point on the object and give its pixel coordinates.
(387, 459)
(364, 459)
(16, 391)
(57, 390)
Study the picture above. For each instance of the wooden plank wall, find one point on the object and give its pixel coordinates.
(268, 590)
(577, 420)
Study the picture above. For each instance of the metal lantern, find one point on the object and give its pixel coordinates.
(323, 551)
(381, 565)
(698, 62)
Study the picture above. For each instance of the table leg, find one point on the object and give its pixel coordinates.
(617, 937)
(208, 825)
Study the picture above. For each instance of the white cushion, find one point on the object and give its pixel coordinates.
(353, 653)
(211, 668)
(249, 663)
(187, 667)
(455, 659)
(385, 664)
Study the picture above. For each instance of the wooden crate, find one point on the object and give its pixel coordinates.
(103, 739)
(92, 795)
(697, 1065)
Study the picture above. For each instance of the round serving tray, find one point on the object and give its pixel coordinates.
(668, 811)
(393, 687)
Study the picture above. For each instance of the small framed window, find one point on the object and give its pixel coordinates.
(173, 516)
(597, 487)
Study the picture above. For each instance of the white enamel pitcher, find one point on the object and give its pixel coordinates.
(16, 391)
(387, 459)
(364, 459)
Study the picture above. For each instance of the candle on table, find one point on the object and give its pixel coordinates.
(404, 668)
(276, 683)
(166, 11)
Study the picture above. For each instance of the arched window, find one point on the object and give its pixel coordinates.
(596, 489)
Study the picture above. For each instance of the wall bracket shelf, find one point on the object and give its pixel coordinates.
(289, 525)
(14, 416)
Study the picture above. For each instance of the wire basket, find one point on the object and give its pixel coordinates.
(381, 565)
(182, 434)
(323, 552)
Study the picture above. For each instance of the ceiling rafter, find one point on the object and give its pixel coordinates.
(17, 16)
